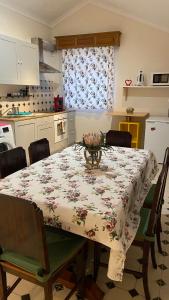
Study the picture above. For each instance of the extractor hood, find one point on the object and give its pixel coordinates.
(44, 45)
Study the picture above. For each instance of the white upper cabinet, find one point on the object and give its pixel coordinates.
(8, 61)
(19, 62)
(28, 64)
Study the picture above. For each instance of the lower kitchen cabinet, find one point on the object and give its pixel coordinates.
(30, 130)
(25, 133)
(45, 129)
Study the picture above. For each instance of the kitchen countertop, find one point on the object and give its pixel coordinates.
(33, 116)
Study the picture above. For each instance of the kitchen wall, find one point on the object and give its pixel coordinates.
(142, 48)
(23, 28)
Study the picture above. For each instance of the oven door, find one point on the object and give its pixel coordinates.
(60, 130)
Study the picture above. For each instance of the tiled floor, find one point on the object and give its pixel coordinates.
(130, 288)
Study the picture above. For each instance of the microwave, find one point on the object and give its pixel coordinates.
(160, 79)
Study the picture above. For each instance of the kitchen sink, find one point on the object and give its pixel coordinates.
(25, 115)
(14, 116)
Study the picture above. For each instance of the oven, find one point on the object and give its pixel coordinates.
(61, 127)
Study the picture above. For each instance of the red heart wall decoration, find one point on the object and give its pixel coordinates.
(128, 82)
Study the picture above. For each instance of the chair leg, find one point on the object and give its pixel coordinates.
(158, 231)
(160, 225)
(146, 249)
(3, 285)
(153, 257)
(80, 272)
(48, 291)
(96, 259)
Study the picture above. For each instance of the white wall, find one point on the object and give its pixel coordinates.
(142, 47)
(21, 27)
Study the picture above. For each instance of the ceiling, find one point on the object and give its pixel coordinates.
(46, 11)
(154, 12)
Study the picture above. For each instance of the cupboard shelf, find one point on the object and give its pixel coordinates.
(135, 129)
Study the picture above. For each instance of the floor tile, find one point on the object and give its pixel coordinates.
(24, 287)
(133, 293)
(119, 294)
(128, 283)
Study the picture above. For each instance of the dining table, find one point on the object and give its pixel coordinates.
(101, 204)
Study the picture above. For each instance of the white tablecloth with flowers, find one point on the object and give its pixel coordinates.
(102, 205)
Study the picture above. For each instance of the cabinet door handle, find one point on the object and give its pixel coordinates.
(153, 128)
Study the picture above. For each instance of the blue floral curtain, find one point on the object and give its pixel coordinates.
(88, 78)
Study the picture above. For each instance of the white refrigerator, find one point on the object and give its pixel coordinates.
(157, 136)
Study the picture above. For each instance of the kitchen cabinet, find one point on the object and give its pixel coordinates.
(45, 129)
(8, 61)
(32, 129)
(134, 129)
(25, 133)
(19, 62)
(28, 64)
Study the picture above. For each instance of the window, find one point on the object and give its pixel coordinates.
(89, 78)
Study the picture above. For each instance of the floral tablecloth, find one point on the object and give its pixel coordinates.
(102, 205)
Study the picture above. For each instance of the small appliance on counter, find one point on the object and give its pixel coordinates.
(58, 104)
(160, 78)
(140, 79)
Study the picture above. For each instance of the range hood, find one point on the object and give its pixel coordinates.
(44, 45)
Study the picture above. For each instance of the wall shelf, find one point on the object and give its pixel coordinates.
(126, 88)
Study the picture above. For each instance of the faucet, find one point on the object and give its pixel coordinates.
(14, 110)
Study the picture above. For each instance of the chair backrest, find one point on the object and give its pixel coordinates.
(22, 229)
(157, 200)
(39, 150)
(12, 161)
(118, 138)
(166, 157)
(166, 163)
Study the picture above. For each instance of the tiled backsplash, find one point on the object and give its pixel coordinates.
(40, 98)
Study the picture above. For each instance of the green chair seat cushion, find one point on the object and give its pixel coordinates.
(144, 221)
(149, 198)
(61, 245)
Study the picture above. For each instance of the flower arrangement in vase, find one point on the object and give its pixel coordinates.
(93, 144)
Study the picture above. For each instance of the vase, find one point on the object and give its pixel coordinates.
(93, 158)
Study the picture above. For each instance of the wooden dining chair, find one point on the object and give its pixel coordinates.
(118, 138)
(148, 203)
(34, 252)
(146, 234)
(12, 161)
(145, 237)
(39, 150)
